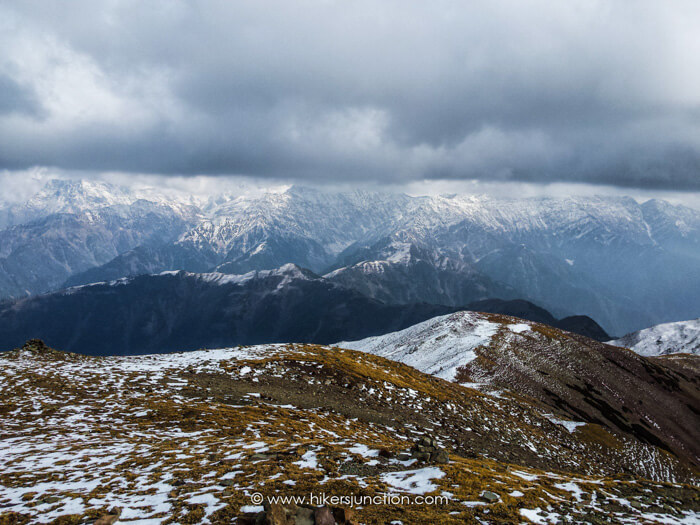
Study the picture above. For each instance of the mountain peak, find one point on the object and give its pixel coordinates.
(663, 339)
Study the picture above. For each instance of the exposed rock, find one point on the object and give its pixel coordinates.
(427, 450)
(304, 516)
(489, 496)
(343, 515)
(109, 519)
(324, 516)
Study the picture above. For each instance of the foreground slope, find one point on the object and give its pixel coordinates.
(189, 438)
(653, 401)
(662, 339)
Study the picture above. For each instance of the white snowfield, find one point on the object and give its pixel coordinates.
(438, 346)
(662, 339)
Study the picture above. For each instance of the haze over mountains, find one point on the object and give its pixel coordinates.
(626, 265)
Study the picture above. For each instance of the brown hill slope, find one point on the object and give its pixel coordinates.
(655, 401)
(191, 437)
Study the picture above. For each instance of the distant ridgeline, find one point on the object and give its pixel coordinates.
(184, 311)
(626, 265)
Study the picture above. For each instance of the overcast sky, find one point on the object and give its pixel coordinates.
(605, 93)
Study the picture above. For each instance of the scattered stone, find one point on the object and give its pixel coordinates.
(259, 456)
(385, 453)
(489, 496)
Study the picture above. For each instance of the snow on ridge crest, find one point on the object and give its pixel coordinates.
(663, 339)
(438, 346)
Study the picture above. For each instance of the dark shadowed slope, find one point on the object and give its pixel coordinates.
(184, 311)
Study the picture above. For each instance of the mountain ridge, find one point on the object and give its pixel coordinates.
(626, 265)
(664, 339)
(177, 310)
(569, 373)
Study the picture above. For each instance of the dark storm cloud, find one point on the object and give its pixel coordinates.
(603, 92)
(15, 99)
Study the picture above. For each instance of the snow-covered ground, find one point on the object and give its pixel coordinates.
(80, 435)
(438, 346)
(667, 338)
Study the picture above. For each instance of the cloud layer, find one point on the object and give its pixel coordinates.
(605, 92)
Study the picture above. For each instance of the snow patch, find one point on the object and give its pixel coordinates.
(413, 481)
(439, 346)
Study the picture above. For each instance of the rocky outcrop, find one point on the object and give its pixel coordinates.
(428, 451)
(291, 514)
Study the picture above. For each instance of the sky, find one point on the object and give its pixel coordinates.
(522, 97)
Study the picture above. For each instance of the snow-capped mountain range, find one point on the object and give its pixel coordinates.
(71, 226)
(626, 265)
(80, 196)
(663, 339)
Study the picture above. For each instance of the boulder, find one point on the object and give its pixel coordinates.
(440, 457)
(304, 516)
(421, 456)
(324, 516)
(343, 515)
(276, 514)
(489, 496)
